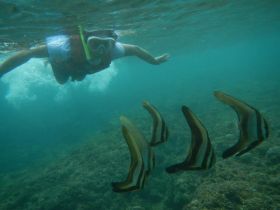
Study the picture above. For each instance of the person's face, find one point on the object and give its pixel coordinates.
(100, 46)
(96, 48)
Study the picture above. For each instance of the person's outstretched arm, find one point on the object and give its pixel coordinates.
(22, 57)
(134, 50)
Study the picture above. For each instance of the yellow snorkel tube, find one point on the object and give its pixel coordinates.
(84, 43)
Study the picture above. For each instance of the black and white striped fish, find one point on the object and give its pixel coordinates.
(201, 154)
(252, 125)
(159, 128)
(142, 158)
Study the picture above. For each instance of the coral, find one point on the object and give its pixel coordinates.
(81, 179)
(272, 155)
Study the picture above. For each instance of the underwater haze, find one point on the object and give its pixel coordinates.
(61, 146)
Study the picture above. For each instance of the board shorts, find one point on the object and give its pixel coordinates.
(59, 48)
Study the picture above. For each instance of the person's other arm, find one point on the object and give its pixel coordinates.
(22, 57)
(134, 50)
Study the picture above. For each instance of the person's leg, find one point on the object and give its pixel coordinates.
(22, 57)
(134, 50)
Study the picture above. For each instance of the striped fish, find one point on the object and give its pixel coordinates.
(201, 154)
(252, 125)
(142, 158)
(159, 128)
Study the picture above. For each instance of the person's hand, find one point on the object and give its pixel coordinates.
(162, 58)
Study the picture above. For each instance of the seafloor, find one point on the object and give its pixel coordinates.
(81, 179)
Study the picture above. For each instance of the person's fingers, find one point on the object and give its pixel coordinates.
(167, 56)
(163, 58)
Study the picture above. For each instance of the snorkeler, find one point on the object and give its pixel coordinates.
(75, 56)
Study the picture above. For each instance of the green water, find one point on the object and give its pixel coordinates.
(61, 145)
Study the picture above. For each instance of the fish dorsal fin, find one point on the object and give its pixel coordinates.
(159, 127)
(252, 126)
(241, 108)
(200, 154)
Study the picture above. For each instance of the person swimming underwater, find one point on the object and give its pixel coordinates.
(75, 56)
